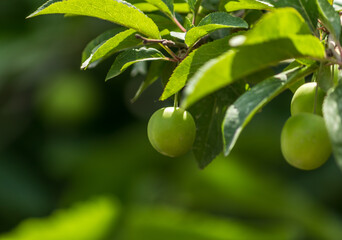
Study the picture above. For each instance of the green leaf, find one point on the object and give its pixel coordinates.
(117, 11)
(279, 24)
(208, 6)
(259, 76)
(211, 23)
(242, 111)
(147, 7)
(294, 86)
(107, 44)
(292, 65)
(275, 44)
(182, 8)
(235, 5)
(93, 219)
(153, 74)
(325, 77)
(129, 57)
(167, 72)
(330, 18)
(178, 35)
(179, 6)
(252, 17)
(194, 5)
(98, 41)
(166, 6)
(305, 61)
(307, 8)
(189, 66)
(163, 22)
(332, 112)
(188, 24)
(208, 114)
(245, 60)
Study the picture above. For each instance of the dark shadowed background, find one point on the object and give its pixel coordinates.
(76, 164)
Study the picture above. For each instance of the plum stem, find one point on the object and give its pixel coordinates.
(315, 101)
(175, 104)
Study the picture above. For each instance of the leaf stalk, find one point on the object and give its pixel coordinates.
(174, 19)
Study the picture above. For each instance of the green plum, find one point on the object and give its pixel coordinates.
(303, 99)
(171, 131)
(305, 142)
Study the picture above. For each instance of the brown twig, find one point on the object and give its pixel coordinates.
(323, 29)
(165, 42)
(333, 61)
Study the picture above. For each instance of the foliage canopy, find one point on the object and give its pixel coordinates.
(231, 58)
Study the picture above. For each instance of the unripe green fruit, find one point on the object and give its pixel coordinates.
(171, 131)
(305, 142)
(304, 99)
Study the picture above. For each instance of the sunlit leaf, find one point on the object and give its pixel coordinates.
(179, 6)
(234, 5)
(245, 60)
(307, 8)
(211, 23)
(166, 6)
(117, 11)
(280, 24)
(107, 44)
(275, 45)
(188, 67)
(90, 220)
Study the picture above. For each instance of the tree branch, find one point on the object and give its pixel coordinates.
(165, 42)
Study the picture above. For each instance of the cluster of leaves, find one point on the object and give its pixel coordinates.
(223, 57)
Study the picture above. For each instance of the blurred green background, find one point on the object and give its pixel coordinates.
(76, 164)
